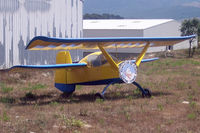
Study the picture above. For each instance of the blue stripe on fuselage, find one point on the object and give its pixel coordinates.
(102, 82)
(99, 82)
(71, 87)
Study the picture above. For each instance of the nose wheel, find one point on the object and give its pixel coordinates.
(147, 93)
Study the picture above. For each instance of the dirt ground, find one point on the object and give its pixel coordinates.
(29, 103)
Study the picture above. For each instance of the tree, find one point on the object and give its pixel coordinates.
(190, 27)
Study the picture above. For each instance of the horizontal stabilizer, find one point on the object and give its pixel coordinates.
(56, 66)
(147, 60)
(47, 43)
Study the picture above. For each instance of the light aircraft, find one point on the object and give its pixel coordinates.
(99, 67)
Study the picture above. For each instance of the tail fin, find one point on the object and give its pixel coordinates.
(63, 57)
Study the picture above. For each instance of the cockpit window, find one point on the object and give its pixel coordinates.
(98, 60)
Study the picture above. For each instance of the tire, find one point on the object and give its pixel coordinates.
(66, 94)
(99, 96)
(147, 93)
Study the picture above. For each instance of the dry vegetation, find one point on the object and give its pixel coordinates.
(30, 103)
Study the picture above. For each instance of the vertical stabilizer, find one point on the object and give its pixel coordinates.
(63, 57)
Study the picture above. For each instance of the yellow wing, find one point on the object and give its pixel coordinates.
(46, 43)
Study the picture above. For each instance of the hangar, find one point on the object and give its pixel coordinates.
(134, 28)
(21, 20)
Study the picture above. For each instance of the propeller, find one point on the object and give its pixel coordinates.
(128, 71)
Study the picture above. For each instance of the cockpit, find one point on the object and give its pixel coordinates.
(98, 59)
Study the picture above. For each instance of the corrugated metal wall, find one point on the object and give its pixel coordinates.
(21, 20)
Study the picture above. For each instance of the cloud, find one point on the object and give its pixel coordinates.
(193, 4)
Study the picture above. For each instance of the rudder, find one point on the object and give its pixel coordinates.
(63, 57)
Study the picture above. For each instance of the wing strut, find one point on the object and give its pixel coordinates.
(140, 57)
(108, 57)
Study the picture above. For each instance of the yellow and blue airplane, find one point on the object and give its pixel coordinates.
(99, 67)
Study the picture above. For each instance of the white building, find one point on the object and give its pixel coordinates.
(21, 20)
(135, 28)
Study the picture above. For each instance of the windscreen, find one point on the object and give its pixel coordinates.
(98, 60)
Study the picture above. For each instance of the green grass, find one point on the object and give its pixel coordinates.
(197, 74)
(83, 112)
(191, 116)
(129, 97)
(5, 89)
(192, 104)
(5, 117)
(117, 94)
(198, 83)
(146, 84)
(181, 62)
(173, 63)
(76, 131)
(101, 121)
(78, 87)
(181, 85)
(62, 108)
(7, 100)
(40, 121)
(136, 92)
(127, 115)
(54, 103)
(160, 107)
(190, 97)
(100, 101)
(118, 86)
(34, 87)
(72, 122)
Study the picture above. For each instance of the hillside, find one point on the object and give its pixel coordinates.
(176, 9)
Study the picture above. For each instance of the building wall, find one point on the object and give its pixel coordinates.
(111, 33)
(168, 29)
(21, 20)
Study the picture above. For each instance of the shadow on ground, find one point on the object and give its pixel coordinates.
(45, 99)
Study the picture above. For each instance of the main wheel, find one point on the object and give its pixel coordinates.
(99, 96)
(66, 94)
(147, 93)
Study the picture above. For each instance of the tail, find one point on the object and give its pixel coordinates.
(63, 57)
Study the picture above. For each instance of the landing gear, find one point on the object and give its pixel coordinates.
(66, 94)
(101, 95)
(145, 92)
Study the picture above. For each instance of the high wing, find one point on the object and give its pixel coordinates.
(46, 43)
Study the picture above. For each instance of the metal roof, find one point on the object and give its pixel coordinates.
(137, 24)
